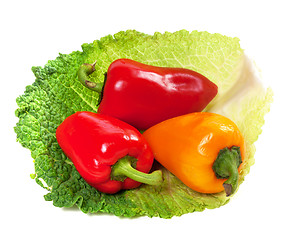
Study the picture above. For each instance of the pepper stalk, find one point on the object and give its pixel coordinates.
(226, 166)
(83, 73)
(124, 168)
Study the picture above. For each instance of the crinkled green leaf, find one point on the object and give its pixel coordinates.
(56, 94)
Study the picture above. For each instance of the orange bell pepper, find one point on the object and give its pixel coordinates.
(204, 150)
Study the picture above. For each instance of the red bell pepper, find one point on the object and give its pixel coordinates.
(144, 95)
(106, 151)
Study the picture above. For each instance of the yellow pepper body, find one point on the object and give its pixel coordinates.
(188, 146)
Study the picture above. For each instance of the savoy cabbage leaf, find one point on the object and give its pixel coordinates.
(57, 93)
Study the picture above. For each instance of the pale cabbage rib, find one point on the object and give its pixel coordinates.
(246, 80)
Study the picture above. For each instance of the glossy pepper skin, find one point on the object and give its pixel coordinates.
(95, 144)
(144, 95)
(204, 150)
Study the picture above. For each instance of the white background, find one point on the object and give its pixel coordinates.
(33, 32)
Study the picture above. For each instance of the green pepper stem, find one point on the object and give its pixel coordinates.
(226, 166)
(123, 168)
(83, 73)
